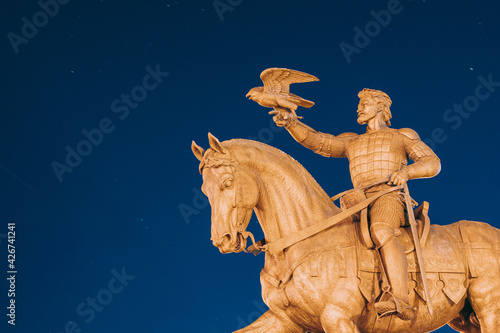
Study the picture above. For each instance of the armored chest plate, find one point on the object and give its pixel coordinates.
(374, 156)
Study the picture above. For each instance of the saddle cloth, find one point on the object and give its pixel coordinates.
(443, 262)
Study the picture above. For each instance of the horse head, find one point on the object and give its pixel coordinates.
(232, 191)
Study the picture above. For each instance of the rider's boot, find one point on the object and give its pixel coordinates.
(396, 268)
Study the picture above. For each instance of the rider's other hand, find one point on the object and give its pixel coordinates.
(399, 178)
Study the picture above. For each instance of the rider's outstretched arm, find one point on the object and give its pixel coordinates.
(321, 143)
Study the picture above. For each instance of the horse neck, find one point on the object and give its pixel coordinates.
(290, 200)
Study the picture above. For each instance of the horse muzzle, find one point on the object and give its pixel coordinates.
(229, 243)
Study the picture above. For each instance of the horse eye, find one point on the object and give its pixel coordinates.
(228, 183)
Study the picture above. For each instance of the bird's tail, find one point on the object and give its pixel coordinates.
(300, 101)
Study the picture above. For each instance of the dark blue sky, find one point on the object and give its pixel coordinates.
(100, 102)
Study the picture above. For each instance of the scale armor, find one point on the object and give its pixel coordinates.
(373, 156)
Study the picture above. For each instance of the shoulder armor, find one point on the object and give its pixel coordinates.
(409, 133)
(347, 135)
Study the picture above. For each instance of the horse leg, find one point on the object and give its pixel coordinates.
(489, 317)
(268, 322)
(485, 300)
(334, 320)
(466, 322)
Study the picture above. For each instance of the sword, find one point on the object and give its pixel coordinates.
(418, 250)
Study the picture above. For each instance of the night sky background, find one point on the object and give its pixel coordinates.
(132, 206)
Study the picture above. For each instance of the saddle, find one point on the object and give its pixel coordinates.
(444, 273)
(423, 225)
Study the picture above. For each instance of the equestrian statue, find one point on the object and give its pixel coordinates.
(374, 264)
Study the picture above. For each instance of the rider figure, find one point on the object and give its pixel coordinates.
(380, 153)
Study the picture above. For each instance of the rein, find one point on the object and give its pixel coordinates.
(287, 241)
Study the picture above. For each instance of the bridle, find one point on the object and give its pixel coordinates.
(235, 169)
(238, 199)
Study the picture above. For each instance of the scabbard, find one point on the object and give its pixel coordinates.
(418, 249)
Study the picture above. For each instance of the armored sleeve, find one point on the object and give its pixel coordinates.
(321, 143)
(426, 162)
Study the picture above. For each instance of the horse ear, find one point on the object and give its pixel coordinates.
(215, 144)
(197, 151)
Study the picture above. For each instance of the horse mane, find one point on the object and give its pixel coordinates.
(262, 156)
(267, 151)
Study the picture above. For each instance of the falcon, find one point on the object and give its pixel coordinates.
(276, 91)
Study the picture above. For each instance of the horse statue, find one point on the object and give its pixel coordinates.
(329, 282)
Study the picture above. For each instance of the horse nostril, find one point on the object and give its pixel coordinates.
(228, 238)
(222, 239)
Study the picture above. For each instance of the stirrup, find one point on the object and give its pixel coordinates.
(395, 306)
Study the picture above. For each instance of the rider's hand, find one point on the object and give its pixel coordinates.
(399, 178)
(283, 118)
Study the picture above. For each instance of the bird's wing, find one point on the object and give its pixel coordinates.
(278, 80)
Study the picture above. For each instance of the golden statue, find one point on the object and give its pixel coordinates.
(380, 154)
(373, 265)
